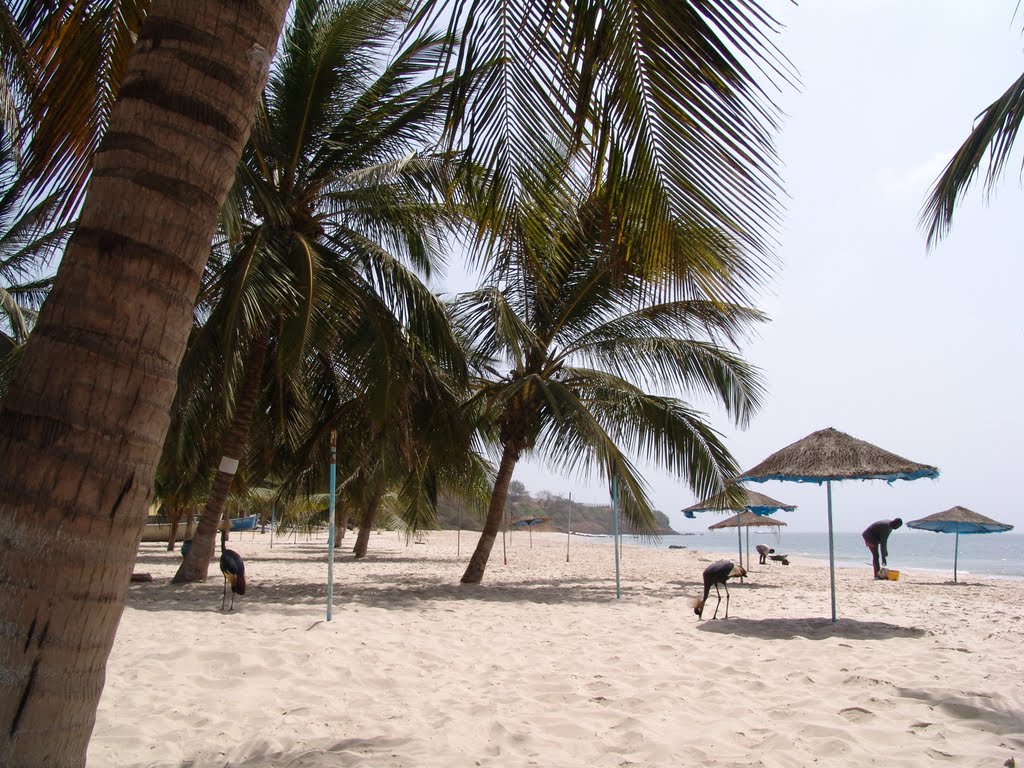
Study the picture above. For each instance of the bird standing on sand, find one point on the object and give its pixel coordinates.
(717, 573)
(233, 568)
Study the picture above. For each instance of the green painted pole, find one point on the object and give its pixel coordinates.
(330, 526)
(615, 520)
(568, 530)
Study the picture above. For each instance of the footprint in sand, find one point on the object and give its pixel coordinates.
(856, 714)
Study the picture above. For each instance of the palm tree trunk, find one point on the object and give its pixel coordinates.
(366, 526)
(196, 564)
(174, 514)
(492, 525)
(83, 420)
(340, 526)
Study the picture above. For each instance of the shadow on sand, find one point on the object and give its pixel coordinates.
(812, 629)
(974, 709)
(382, 591)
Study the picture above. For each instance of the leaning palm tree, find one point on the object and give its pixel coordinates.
(104, 449)
(995, 131)
(334, 215)
(574, 331)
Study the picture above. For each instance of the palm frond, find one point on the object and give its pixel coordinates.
(994, 133)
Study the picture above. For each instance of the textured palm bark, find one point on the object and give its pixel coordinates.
(195, 566)
(174, 515)
(340, 526)
(492, 525)
(84, 418)
(366, 526)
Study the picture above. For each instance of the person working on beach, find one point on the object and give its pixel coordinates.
(763, 550)
(876, 537)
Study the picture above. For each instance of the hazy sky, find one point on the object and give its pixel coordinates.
(917, 351)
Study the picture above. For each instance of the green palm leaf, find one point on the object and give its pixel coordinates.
(994, 133)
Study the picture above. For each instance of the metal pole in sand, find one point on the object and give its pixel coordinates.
(615, 521)
(458, 536)
(330, 526)
(956, 553)
(831, 550)
(272, 525)
(568, 530)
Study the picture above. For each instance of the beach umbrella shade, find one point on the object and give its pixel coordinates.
(959, 520)
(529, 521)
(739, 499)
(828, 455)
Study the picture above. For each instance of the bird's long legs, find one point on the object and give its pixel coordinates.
(717, 592)
(224, 597)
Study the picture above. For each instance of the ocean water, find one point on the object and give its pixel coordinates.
(991, 554)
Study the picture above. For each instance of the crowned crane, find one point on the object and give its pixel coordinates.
(717, 573)
(233, 568)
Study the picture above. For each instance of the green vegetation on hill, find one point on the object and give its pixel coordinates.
(586, 518)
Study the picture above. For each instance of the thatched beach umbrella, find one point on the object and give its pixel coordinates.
(959, 520)
(828, 455)
(529, 521)
(748, 520)
(739, 500)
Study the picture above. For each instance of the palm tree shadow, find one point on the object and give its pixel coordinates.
(345, 752)
(810, 628)
(377, 592)
(1003, 720)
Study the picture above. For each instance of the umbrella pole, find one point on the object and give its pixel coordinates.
(956, 554)
(748, 547)
(739, 538)
(831, 551)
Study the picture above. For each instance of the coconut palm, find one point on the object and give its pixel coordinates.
(86, 410)
(63, 63)
(573, 340)
(333, 217)
(995, 131)
(104, 449)
(670, 93)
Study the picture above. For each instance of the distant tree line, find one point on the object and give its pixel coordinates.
(586, 518)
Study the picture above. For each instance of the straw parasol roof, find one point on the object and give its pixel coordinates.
(756, 502)
(829, 454)
(959, 520)
(745, 519)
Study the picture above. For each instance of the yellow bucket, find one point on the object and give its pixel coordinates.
(892, 575)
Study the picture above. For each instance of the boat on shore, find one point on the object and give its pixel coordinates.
(244, 523)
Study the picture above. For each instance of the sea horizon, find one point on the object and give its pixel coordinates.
(994, 554)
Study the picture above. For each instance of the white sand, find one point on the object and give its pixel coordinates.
(541, 665)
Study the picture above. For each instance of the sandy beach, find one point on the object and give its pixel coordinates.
(541, 665)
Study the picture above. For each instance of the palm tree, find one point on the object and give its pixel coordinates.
(89, 403)
(671, 94)
(84, 416)
(332, 202)
(995, 131)
(63, 64)
(570, 330)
